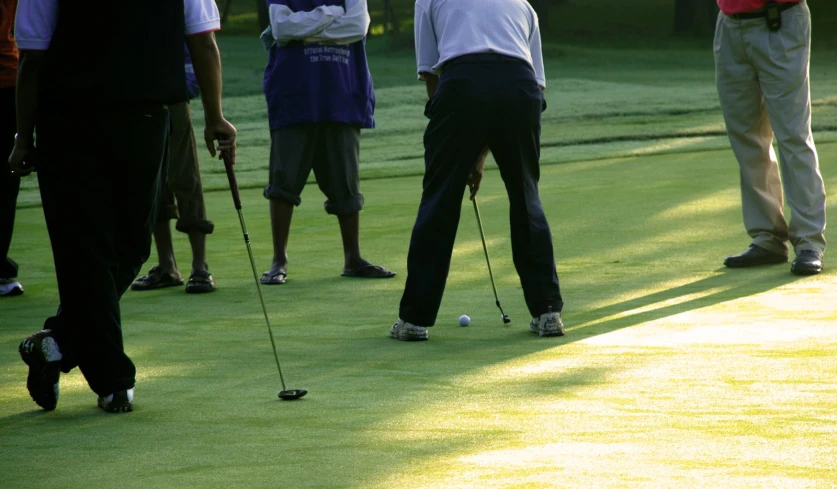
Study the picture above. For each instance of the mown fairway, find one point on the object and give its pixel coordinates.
(675, 371)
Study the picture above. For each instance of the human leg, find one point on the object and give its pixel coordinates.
(165, 273)
(281, 213)
(751, 137)
(9, 188)
(99, 217)
(165, 248)
(453, 140)
(783, 60)
(515, 144)
(292, 152)
(336, 168)
(184, 179)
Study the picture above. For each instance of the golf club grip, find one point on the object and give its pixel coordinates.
(228, 165)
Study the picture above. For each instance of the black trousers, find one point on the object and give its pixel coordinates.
(99, 177)
(482, 100)
(9, 184)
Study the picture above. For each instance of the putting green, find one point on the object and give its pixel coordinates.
(675, 372)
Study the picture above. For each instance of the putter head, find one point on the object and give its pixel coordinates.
(291, 394)
(506, 319)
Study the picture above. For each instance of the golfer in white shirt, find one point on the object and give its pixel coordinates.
(482, 63)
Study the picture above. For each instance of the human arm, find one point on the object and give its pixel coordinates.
(26, 103)
(34, 25)
(427, 50)
(536, 50)
(348, 28)
(431, 82)
(287, 25)
(475, 178)
(202, 20)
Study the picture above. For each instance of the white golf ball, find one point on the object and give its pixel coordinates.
(464, 320)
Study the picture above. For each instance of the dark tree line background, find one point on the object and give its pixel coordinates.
(566, 20)
(690, 16)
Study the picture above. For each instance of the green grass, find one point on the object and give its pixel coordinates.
(675, 371)
(602, 103)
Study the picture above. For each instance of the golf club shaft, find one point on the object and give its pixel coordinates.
(485, 249)
(237, 201)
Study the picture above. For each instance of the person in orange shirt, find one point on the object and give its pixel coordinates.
(9, 183)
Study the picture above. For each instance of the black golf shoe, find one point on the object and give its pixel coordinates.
(807, 262)
(41, 353)
(755, 256)
(118, 402)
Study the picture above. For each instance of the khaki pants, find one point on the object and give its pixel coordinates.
(182, 194)
(764, 88)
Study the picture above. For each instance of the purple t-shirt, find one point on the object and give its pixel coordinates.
(308, 83)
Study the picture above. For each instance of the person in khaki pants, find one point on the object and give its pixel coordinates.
(181, 198)
(762, 58)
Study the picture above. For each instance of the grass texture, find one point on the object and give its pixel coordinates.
(675, 372)
(603, 103)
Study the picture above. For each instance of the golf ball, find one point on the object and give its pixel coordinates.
(464, 320)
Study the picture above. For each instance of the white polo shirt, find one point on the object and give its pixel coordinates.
(446, 29)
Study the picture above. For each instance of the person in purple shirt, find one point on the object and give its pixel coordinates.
(319, 95)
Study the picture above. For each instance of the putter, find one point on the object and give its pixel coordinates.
(506, 319)
(285, 394)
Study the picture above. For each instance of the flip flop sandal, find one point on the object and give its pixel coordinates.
(369, 271)
(200, 282)
(277, 278)
(157, 279)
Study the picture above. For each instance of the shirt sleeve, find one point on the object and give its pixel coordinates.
(35, 23)
(350, 27)
(536, 50)
(427, 51)
(201, 16)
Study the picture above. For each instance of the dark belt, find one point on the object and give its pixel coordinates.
(759, 14)
(481, 58)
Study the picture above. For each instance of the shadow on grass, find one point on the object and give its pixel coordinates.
(728, 285)
(379, 409)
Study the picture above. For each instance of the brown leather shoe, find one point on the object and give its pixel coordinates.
(753, 257)
(807, 262)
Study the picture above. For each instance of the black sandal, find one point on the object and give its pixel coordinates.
(200, 282)
(157, 279)
(277, 278)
